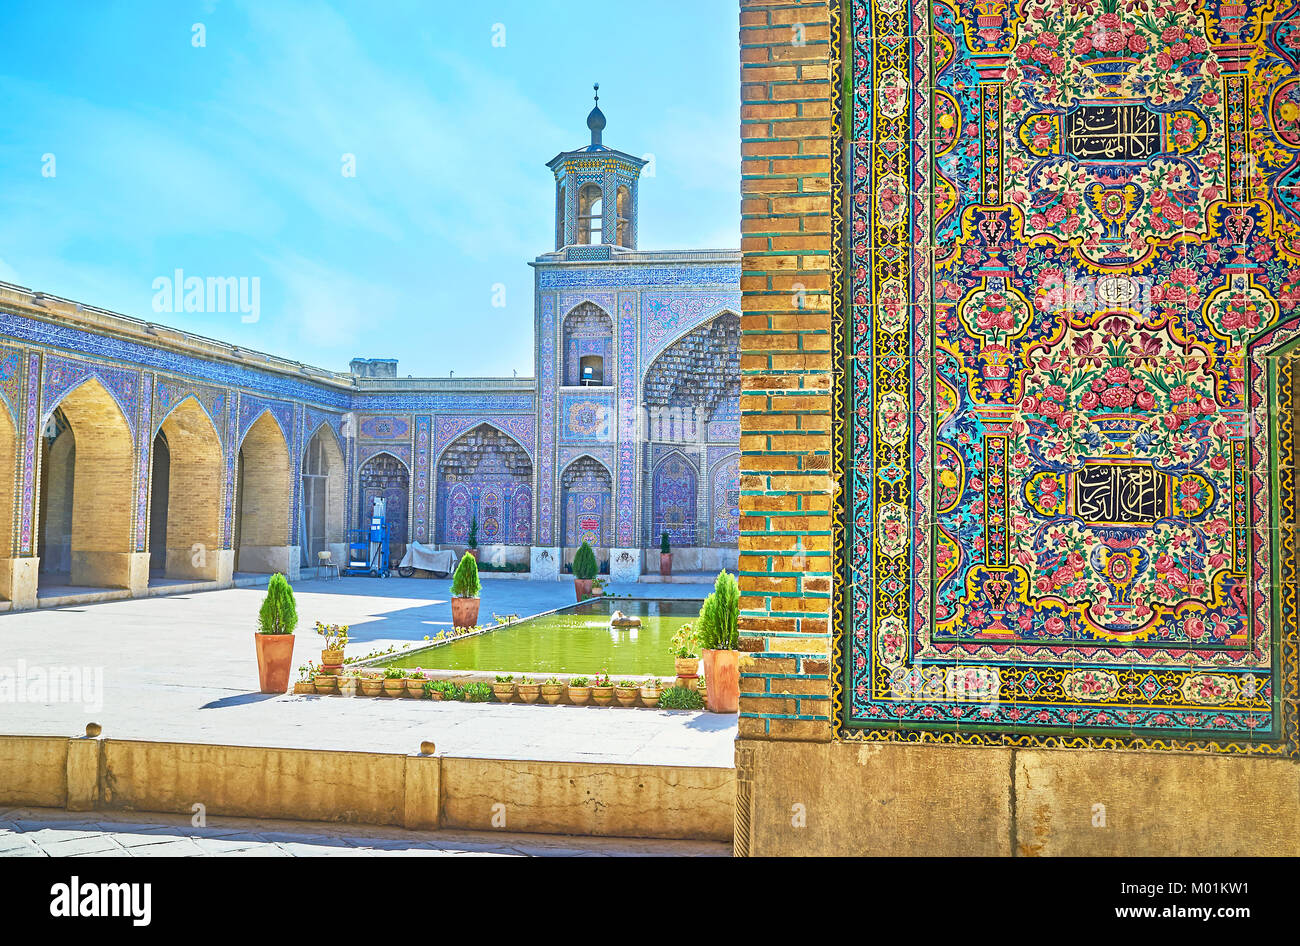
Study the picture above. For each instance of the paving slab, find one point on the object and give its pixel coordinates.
(183, 669)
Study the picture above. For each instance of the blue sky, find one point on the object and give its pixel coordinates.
(226, 160)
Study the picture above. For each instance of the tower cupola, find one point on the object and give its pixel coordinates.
(596, 192)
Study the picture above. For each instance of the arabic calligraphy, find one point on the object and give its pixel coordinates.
(1120, 494)
(1112, 133)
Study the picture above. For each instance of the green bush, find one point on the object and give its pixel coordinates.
(279, 614)
(663, 543)
(681, 698)
(478, 692)
(719, 615)
(465, 583)
(584, 562)
(473, 532)
(449, 689)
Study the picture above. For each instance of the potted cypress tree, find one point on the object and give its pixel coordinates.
(465, 588)
(584, 570)
(274, 638)
(719, 645)
(473, 537)
(665, 555)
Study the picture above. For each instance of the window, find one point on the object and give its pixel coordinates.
(591, 208)
(623, 206)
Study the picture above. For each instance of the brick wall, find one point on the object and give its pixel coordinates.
(195, 484)
(787, 69)
(267, 487)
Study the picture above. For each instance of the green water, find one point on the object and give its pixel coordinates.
(575, 640)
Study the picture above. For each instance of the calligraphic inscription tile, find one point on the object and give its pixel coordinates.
(1069, 337)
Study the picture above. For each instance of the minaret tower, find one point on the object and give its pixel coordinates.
(596, 193)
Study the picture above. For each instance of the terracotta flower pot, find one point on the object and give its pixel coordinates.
(579, 696)
(665, 563)
(722, 671)
(415, 689)
(372, 686)
(529, 692)
(435, 695)
(331, 658)
(394, 687)
(552, 693)
(274, 661)
(582, 588)
(464, 612)
(686, 666)
(304, 687)
(326, 683)
(504, 692)
(602, 696)
(626, 696)
(348, 686)
(650, 696)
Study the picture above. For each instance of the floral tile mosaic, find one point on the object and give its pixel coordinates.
(1074, 269)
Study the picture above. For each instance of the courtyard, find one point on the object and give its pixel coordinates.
(183, 669)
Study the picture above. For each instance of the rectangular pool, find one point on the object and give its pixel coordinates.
(577, 639)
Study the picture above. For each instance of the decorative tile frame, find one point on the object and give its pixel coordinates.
(927, 256)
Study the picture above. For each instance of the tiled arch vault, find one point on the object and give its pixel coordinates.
(1067, 466)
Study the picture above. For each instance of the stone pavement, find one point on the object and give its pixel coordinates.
(183, 669)
(46, 832)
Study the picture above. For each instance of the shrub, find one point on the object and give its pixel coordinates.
(477, 692)
(465, 583)
(663, 543)
(685, 643)
(719, 615)
(578, 681)
(473, 532)
(584, 562)
(279, 614)
(449, 689)
(680, 698)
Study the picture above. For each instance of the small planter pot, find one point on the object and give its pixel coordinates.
(529, 692)
(394, 687)
(504, 692)
(274, 661)
(415, 689)
(435, 695)
(552, 693)
(650, 696)
(326, 683)
(665, 563)
(597, 591)
(579, 696)
(602, 696)
(371, 686)
(687, 667)
(626, 696)
(331, 659)
(304, 687)
(348, 686)
(582, 588)
(464, 612)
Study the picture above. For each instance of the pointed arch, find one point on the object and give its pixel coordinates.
(692, 380)
(87, 490)
(263, 496)
(674, 484)
(485, 475)
(324, 499)
(386, 475)
(187, 479)
(587, 343)
(724, 502)
(586, 494)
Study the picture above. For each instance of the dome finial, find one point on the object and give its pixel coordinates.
(596, 120)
